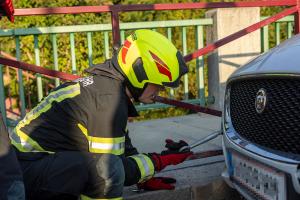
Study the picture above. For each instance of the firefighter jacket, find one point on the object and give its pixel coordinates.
(89, 114)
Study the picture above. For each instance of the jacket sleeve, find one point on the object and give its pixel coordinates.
(138, 167)
(129, 148)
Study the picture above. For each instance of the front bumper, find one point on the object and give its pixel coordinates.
(290, 168)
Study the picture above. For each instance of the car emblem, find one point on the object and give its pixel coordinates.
(260, 100)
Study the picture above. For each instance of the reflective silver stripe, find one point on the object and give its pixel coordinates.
(145, 165)
(24, 143)
(16, 139)
(100, 147)
(55, 96)
(104, 145)
(20, 139)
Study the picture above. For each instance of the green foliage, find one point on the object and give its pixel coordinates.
(161, 113)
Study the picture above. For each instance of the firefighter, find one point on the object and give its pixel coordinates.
(11, 180)
(75, 142)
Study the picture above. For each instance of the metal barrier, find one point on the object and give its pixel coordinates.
(104, 29)
(54, 32)
(288, 24)
(116, 27)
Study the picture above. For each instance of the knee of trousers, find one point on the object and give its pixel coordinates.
(13, 190)
(110, 169)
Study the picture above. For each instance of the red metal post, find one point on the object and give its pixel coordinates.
(297, 18)
(115, 29)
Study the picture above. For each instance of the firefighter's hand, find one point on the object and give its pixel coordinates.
(175, 147)
(158, 183)
(161, 161)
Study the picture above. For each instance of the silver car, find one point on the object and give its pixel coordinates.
(261, 125)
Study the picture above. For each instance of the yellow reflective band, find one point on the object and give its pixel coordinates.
(24, 143)
(145, 165)
(57, 96)
(83, 197)
(114, 146)
(83, 129)
(21, 140)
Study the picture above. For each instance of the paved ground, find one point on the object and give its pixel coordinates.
(150, 135)
(190, 176)
(196, 179)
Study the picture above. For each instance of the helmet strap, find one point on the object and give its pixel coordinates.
(135, 92)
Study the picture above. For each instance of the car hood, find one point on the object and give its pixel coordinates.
(282, 59)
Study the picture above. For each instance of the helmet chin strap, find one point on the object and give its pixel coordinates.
(135, 92)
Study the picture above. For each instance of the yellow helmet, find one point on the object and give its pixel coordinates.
(149, 57)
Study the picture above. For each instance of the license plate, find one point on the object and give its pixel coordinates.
(262, 181)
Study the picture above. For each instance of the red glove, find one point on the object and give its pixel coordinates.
(161, 161)
(158, 183)
(8, 8)
(171, 156)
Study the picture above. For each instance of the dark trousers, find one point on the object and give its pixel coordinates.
(67, 175)
(11, 181)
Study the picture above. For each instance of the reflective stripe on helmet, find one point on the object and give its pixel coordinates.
(114, 146)
(83, 197)
(145, 165)
(127, 44)
(20, 139)
(183, 69)
(161, 66)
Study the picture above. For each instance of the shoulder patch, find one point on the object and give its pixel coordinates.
(85, 81)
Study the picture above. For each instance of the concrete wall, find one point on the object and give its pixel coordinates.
(226, 59)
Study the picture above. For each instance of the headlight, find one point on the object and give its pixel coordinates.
(226, 116)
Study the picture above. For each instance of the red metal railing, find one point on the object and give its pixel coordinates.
(66, 76)
(116, 9)
(211, 47)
